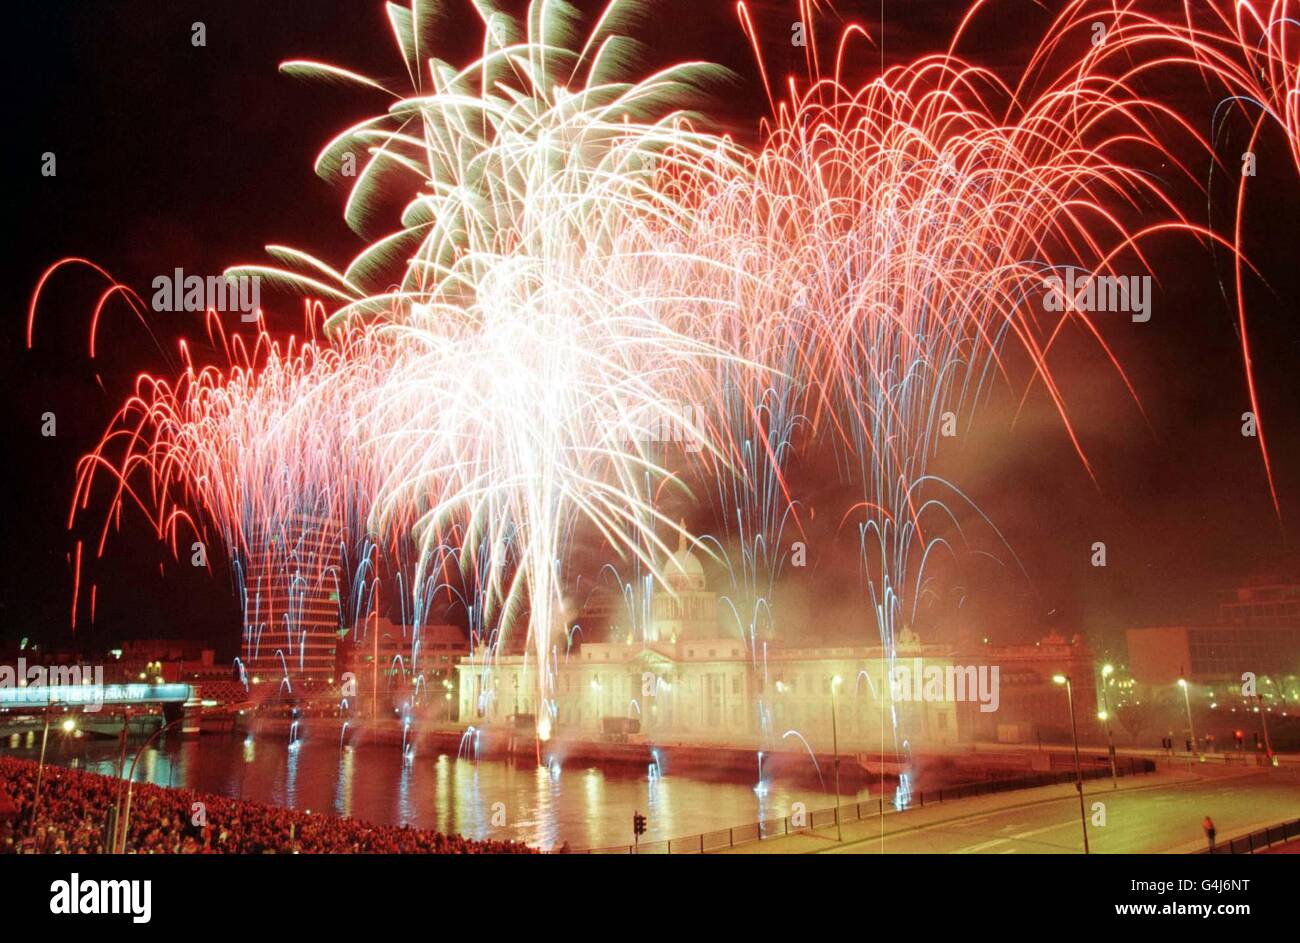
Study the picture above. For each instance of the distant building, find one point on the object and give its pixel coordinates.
(1257, 631)
(686, 681)
(1211, 653)
(1032, 705)
(174, 661)
(636, 610)
(689, 611)
(153, 660)
(1265, 600)
(388, 662)
(291, 608)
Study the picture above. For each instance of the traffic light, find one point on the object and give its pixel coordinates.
(1241, 738)
(638, 824)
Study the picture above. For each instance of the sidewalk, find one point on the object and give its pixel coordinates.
(810, 841)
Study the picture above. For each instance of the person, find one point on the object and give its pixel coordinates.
(1208, 825)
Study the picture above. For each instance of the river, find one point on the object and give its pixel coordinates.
(586, 805)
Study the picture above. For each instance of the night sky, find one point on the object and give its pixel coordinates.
(174, 156)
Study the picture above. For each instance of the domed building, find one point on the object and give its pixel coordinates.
(685, 610)
(692, 678)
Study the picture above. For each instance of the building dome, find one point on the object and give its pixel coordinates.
(685, 609)
(683, 571)
(684, 563)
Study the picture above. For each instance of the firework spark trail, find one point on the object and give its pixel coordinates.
(1250, 49)
(544, 138)
(892, 240)
(517, 430)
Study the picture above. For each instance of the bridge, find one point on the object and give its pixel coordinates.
(103, 707)
(93, 696)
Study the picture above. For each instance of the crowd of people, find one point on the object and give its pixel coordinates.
(73, 815)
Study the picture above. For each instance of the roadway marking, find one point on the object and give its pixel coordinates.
(1045, 828)
(981, 846)
(992, 843)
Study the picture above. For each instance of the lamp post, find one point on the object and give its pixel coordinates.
(40, 767)
(1106, 672)
(121, 769)
(1263, 719)
(68, 725)
(1196, 746)
(835, 743)
(1078, 770)
(126, 816)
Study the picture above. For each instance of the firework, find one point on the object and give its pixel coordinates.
(580, 265)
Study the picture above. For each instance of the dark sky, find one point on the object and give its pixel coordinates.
(171, 156)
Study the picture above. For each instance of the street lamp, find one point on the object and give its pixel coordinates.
(40, 767)
(1263, 719)
(1196, 746)
(835, 741)
(1106, 672)
(1078, 770)
(121, 769)
(126, 816)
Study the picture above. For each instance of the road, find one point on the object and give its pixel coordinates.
(1160, 819)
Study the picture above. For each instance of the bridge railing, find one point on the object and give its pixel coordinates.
(866, 809)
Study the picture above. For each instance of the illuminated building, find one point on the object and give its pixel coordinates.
(685, 682)
(291, 608)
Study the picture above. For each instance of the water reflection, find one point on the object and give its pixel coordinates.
(546, 806)
(343, 785)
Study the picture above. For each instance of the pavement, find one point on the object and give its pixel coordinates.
(1156, 813)
(1290, 848)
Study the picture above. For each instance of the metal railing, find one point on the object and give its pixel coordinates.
(871, 808)
(1257, 841)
